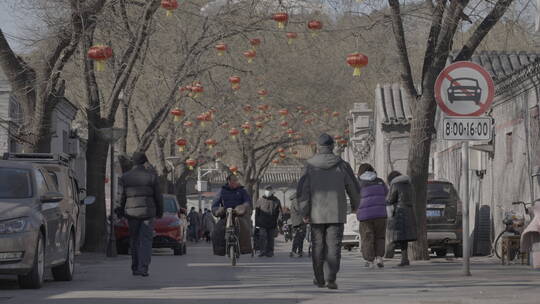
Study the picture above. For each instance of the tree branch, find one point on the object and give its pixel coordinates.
(434, 32)
(399, 34)
(483, 29)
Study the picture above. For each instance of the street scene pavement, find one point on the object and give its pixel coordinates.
(200, 277)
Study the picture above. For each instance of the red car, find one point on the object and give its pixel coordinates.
(169, 231)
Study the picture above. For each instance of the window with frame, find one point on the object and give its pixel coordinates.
(41, 183)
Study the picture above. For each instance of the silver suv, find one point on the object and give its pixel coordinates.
(39, 222)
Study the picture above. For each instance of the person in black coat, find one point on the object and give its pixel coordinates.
(267, 210)
(141, 202)
(401, 218)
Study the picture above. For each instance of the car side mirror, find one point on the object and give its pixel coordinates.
(89, 200)
(51, 197)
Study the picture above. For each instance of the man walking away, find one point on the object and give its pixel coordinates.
(193, 218)
(372, 215)
(208, 224)
(401, 221)
(299, 228)
(141, 202)
(322, 198)
(267, 210)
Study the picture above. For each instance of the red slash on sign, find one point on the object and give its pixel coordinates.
(474, 85)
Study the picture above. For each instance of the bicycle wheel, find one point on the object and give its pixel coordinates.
(232, 254)
(496, 245)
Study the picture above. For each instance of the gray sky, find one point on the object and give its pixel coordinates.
(14, 23)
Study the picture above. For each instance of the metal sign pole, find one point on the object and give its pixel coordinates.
(466, 243)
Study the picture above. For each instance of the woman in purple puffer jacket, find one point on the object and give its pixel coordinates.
(372, 215)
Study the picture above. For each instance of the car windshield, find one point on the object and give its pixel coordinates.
(15, 183)
(439, 190)
(169, 205)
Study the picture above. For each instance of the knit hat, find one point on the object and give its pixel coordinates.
(325, 140)
(139, 158)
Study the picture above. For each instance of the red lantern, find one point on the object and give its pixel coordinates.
(263, 108)
(203, 118)
(234, 132)
(250, 55)
(191, 163)
(235, 82)
(262, 93)
(284, 124)
(197, 90)
(246, 127)
(221, 48)
(169, 5)
(283, 113)
(254, 42)
(234, 170)
(188, 124)
(314, 26)
(281, 150)
(291, 37)
(281, 19)
(357, 61)
(282, 155)
(307, 121)
(259, 125)
(100, 53)
(181, 143)
(248, 108)
(211, 143)
(290, 132)
(295, 152)
(335, 114)
(275, 161)
(177, 113)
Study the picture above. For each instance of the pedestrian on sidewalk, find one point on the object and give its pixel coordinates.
(193, 228)
(322, 191)
(141, 203)
(208, 223)
(372, 215)
(267, 211)
(299, 228)
(401, 217)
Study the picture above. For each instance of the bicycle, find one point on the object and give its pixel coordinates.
(232, 243)
(514, 225)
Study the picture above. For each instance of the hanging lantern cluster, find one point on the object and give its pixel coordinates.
(191, 163)
(281, 19)
(100, 54)
(357, 61)
(169, 6)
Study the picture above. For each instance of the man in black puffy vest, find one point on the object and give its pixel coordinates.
(141, 203)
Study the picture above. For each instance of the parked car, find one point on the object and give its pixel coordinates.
(38, 223)
(169, 231)
(444, 218)
(351, 233)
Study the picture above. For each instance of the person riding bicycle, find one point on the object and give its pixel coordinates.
(232, 195)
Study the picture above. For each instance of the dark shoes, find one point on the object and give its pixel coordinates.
(404, 263)
(142, 274)
(301, 254)
(262, 254)
(318, 284)
(332, 285)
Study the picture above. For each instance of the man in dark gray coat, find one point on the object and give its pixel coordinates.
(141, 202)
(322, 191)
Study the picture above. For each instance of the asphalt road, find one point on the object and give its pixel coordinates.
(201, 278)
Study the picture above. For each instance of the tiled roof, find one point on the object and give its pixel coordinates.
(501, 64)
(393, 105)
(274, 175)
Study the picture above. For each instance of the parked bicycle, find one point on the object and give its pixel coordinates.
(232, 243)
(514, 225)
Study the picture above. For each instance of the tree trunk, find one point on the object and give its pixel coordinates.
(418, 166)
(96, 158)
(181, 187)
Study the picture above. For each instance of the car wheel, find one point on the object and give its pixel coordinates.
(65, 271)
(440, 252)
(34, 279)
(122, 247)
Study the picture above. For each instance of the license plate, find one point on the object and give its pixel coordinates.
(433, 213)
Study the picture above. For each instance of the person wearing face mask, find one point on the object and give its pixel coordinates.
(267, 210)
